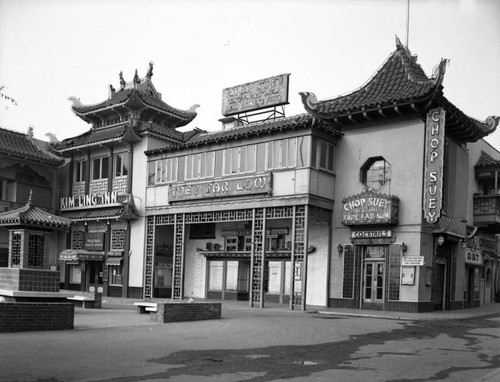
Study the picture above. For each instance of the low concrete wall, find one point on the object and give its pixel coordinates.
(34, 280)
(186, 311)
(29, 316)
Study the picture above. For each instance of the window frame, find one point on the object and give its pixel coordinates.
(366, 167)
(80, 169)
(101, 175)
(121, 160)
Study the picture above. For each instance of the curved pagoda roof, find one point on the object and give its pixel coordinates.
(138, 94)
(23, 147)
(31, 216)
(400, 86)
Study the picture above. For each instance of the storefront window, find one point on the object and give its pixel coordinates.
(215, 271)
(115, 275)
(274, 286)
(232, 276)
(75, 274)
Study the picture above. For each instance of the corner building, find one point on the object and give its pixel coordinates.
(406, 233)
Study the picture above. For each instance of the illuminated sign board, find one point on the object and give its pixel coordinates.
(258, 184)
(370, 207)
(89, 201)
(272, 91)
(434, 159)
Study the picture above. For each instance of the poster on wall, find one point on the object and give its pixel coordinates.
(408, 277)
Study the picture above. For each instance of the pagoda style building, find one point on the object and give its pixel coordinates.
(104, 189)
(409, 222)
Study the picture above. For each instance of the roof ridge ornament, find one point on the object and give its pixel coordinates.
(122, 81)
(492, 122)
(150, 70)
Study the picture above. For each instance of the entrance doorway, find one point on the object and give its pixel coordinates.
(373, 287)
(95, 274)
(438, 286)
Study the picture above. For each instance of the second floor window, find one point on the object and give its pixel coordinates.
(200, 165)
(121, 165)
(100, 168)
(80, 170)
(239, 160)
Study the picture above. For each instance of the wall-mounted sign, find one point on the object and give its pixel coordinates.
(474, 257)
(370, 234)
(272, 91)
(412, 261)
(94, 241)
(434, 159)
(89, 201)
(370, 207)
(258, 184)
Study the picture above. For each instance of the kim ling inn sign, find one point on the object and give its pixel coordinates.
(369, 208)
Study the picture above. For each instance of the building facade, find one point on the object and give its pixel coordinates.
(104, 189)
(384, 198)
(404, 222)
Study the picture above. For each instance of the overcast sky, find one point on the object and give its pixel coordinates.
(53, 49)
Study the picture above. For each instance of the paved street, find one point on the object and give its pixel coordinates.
(272, 344)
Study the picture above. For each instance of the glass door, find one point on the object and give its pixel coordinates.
(374, 277)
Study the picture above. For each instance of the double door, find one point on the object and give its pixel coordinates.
(373, 282)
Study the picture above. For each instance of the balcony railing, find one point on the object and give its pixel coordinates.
(486, 209)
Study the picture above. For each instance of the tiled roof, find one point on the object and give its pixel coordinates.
(122, 212)
(33, 216)
(486, 160)
(136, 95)
(399, 80)
(199, 137)
(399, 86)
(123, 132)
(18, 144)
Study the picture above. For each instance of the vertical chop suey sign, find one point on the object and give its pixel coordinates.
(434, 160)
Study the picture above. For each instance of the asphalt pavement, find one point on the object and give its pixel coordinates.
(115, 343)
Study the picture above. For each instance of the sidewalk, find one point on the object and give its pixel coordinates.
(481, 311)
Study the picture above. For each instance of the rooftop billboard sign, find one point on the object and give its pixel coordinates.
(269, 92)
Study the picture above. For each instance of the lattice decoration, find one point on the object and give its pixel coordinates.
(299, 257)
(165, 219)
(148, 266)
(177, 291)
(257, 259)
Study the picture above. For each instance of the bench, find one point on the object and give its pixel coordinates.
(85, 301)
(145, 307)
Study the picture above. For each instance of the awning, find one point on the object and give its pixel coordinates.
(124, 212)
(116, 261)
(81, 254)
(450, 226)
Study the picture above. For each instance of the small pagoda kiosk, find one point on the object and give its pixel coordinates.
(31, 274)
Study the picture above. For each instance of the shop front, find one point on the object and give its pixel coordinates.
(98, 239)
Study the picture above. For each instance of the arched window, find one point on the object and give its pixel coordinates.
(376, 173)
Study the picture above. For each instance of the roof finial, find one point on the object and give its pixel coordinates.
(122, 81)
(30, 199)
(150, 70)
(136, 78)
